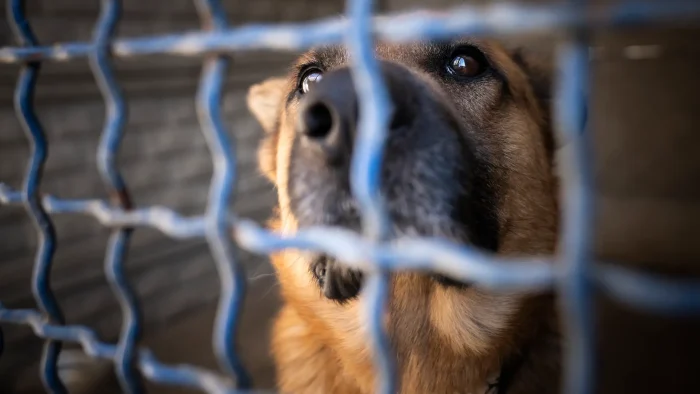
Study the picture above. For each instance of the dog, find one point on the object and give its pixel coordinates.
(469, 157)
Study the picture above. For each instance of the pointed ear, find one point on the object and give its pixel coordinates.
(264, 100)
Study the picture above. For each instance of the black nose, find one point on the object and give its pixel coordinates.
(328, 116)
(329, 111)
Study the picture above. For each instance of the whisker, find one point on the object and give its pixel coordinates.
(261, 276)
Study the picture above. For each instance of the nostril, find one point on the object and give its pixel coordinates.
(318, 120)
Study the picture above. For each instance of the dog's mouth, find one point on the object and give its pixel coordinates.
(342, 284)
(336, 281)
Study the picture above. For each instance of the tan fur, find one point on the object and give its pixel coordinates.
(447, 340)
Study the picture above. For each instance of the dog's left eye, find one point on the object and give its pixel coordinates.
(309, 78)
(467, 62)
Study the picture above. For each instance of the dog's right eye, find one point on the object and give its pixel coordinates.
(308, 79)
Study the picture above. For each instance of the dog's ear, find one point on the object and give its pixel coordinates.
(264, 100)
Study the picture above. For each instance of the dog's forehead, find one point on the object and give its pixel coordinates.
(410, 54)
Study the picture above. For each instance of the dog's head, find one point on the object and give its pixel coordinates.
(468, 157)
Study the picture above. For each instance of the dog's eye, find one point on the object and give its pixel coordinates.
(309, 78)
(467, 62)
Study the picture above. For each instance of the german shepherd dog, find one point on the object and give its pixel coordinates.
(468, 158)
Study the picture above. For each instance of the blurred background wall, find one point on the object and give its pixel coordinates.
(164, 160)
(648, 186)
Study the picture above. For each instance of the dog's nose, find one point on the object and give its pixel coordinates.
(329, 112)
(328, 116)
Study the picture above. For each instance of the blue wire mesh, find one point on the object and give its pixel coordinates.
(368, 251)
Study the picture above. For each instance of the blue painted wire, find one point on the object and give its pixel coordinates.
(402, 27)
(578, 211)
(231, 271)
(365, 173)
(118, 244)
(46, 237)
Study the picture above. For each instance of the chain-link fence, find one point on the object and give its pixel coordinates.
(574, 277)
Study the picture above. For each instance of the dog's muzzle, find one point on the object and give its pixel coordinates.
(426, 176)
